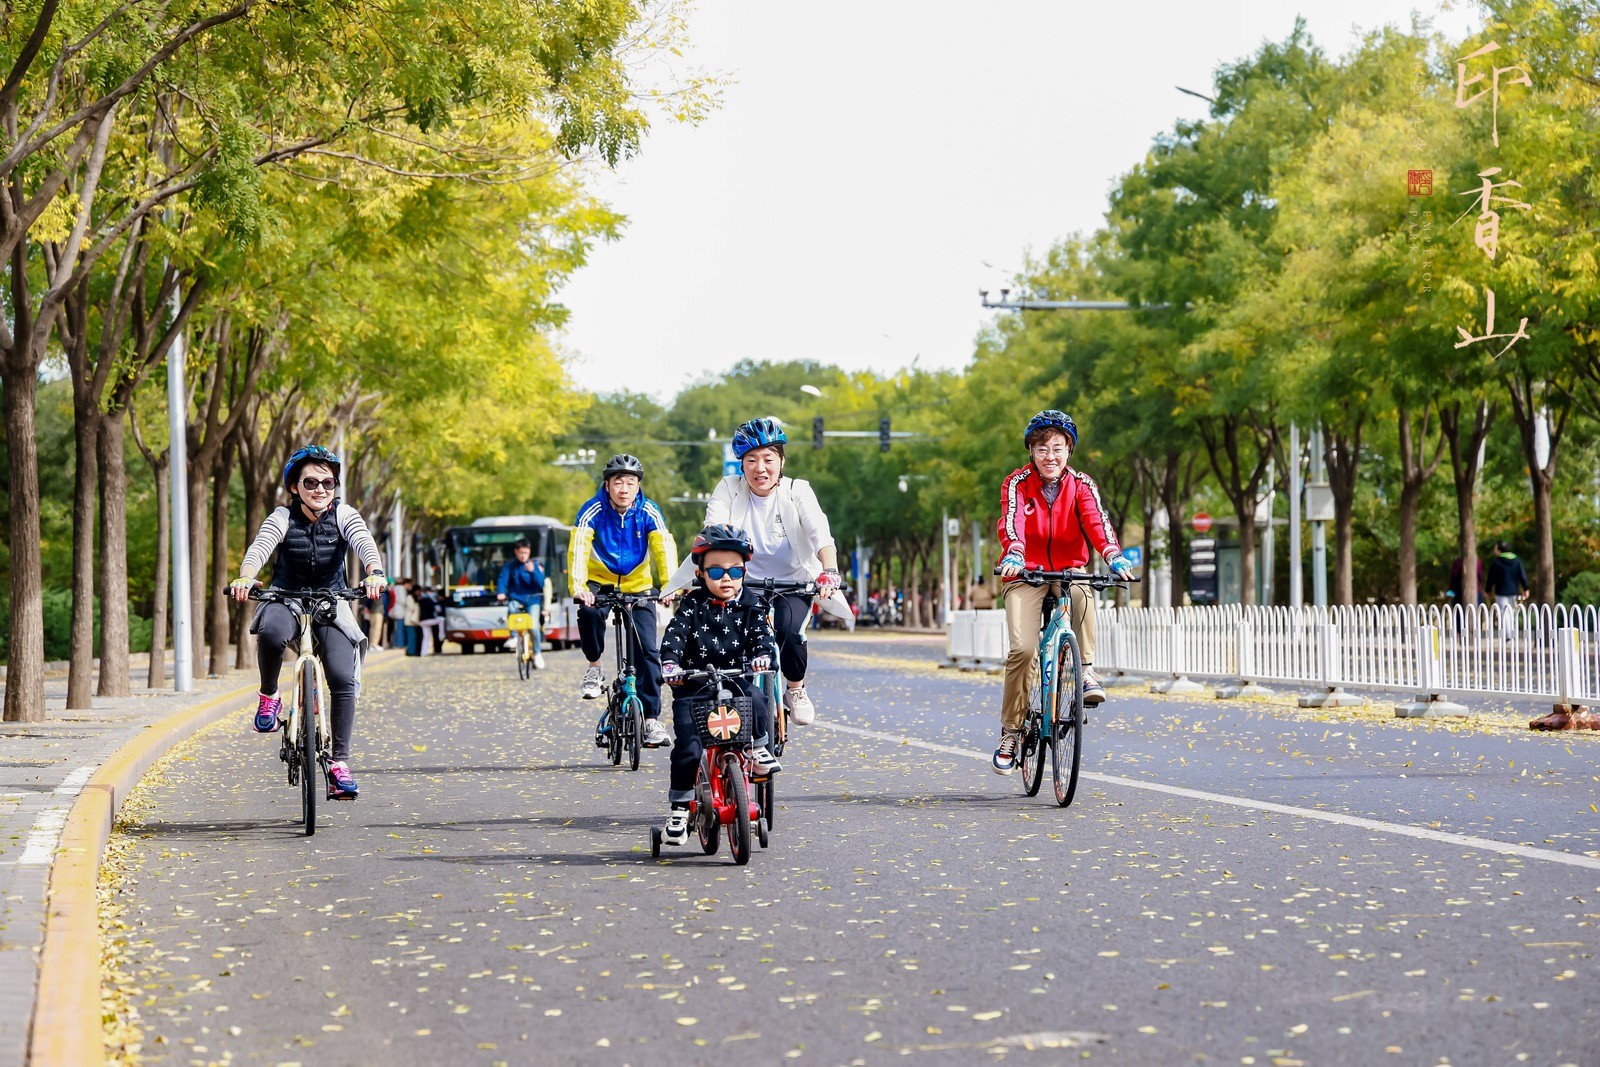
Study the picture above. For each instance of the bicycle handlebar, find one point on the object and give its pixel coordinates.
(714, 674)
(775, 585)
(267, 594)
(1033, 576)
(610, 597)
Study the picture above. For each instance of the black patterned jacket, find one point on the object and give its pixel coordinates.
(707, 632)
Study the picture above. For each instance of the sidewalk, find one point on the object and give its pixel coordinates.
(43, 767)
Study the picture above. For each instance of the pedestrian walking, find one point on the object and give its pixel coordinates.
(1508, 583)
(413, 619)
(400, 592)
(430, 614)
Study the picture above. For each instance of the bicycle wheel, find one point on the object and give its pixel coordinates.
(1031, 746)
(310, 709)
(633, 715)
(614, 717)
(710, 829)
(767, 798)
(524, 661)
(739, 796)
(1067, 746)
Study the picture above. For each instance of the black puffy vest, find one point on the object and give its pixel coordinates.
(312, 555)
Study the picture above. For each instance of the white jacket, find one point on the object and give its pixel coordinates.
(797, 508)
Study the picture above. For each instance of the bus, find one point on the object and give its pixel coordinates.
(471, 560)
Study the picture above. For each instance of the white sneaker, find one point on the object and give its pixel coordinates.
(801, 710)
(766, 763)
(511, 644)
(538, 661)
(676, 832)
(655, 735)
(593, 680)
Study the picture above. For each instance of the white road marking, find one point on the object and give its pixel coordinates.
(42, 839)
(40, 847)
(1422, 833)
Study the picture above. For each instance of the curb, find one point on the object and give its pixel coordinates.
(66, 1029)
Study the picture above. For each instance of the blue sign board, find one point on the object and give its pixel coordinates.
(730, 462)
(1134, 554)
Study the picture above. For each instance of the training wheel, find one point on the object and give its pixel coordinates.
(655, 842)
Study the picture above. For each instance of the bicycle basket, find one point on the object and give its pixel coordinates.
(519, 621)
(724, 722)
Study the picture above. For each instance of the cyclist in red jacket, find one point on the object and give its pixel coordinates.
(1050, 516)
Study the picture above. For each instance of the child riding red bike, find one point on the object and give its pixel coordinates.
(719, 624)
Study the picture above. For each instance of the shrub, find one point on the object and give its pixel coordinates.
(1582, 590)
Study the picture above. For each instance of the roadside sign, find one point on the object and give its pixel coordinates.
(1134, 554)
(730, 462)
(1201, 522)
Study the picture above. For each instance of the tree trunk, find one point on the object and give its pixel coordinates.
(25, 618)
(85, 484)
(157, 676)
(1529, 401)
(199, 553)
(113, 570)
(1465, 456)
(219, 637)
(245, 648)
(1415, 470)
(1172, 499)
(1342, 454)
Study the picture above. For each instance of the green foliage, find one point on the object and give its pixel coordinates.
(1582, 590)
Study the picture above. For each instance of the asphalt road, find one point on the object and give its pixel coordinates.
(491, 898)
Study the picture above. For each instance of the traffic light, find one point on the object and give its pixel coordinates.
(883, 434)
(816, 433)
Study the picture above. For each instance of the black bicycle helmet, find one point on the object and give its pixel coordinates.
(757, 433)
(308, 454)
(622, 463)
(721, 537)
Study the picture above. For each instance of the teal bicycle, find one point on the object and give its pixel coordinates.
(1056, 717)
(622, 726)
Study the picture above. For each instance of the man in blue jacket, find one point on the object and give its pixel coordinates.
(618, 539)
(522, 580)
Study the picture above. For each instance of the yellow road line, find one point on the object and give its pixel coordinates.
(66, 1030)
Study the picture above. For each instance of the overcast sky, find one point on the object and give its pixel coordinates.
(871, 156)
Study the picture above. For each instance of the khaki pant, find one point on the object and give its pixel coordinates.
(1023, 604)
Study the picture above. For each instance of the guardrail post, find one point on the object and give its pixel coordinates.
(1430, 699)
(1568, 714)
(1244, 636)
(1179, 684)
(1333, 694)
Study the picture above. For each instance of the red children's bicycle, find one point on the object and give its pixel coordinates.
(726, 792)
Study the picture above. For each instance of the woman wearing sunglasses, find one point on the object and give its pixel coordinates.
(312, 536)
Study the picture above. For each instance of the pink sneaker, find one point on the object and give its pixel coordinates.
(341, 783)
(267, 713)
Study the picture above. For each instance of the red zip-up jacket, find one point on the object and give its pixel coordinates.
(1054, 537)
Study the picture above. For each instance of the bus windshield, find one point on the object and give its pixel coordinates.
(475, 554)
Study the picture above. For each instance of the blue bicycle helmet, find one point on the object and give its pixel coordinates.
(1051, 419)
(309, 454)
(757, 433)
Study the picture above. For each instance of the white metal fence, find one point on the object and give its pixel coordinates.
(1526, 650)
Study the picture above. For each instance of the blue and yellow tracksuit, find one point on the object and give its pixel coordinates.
(618, 549)
(609, 548)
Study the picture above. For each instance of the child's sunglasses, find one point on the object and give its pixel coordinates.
(735, 573)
